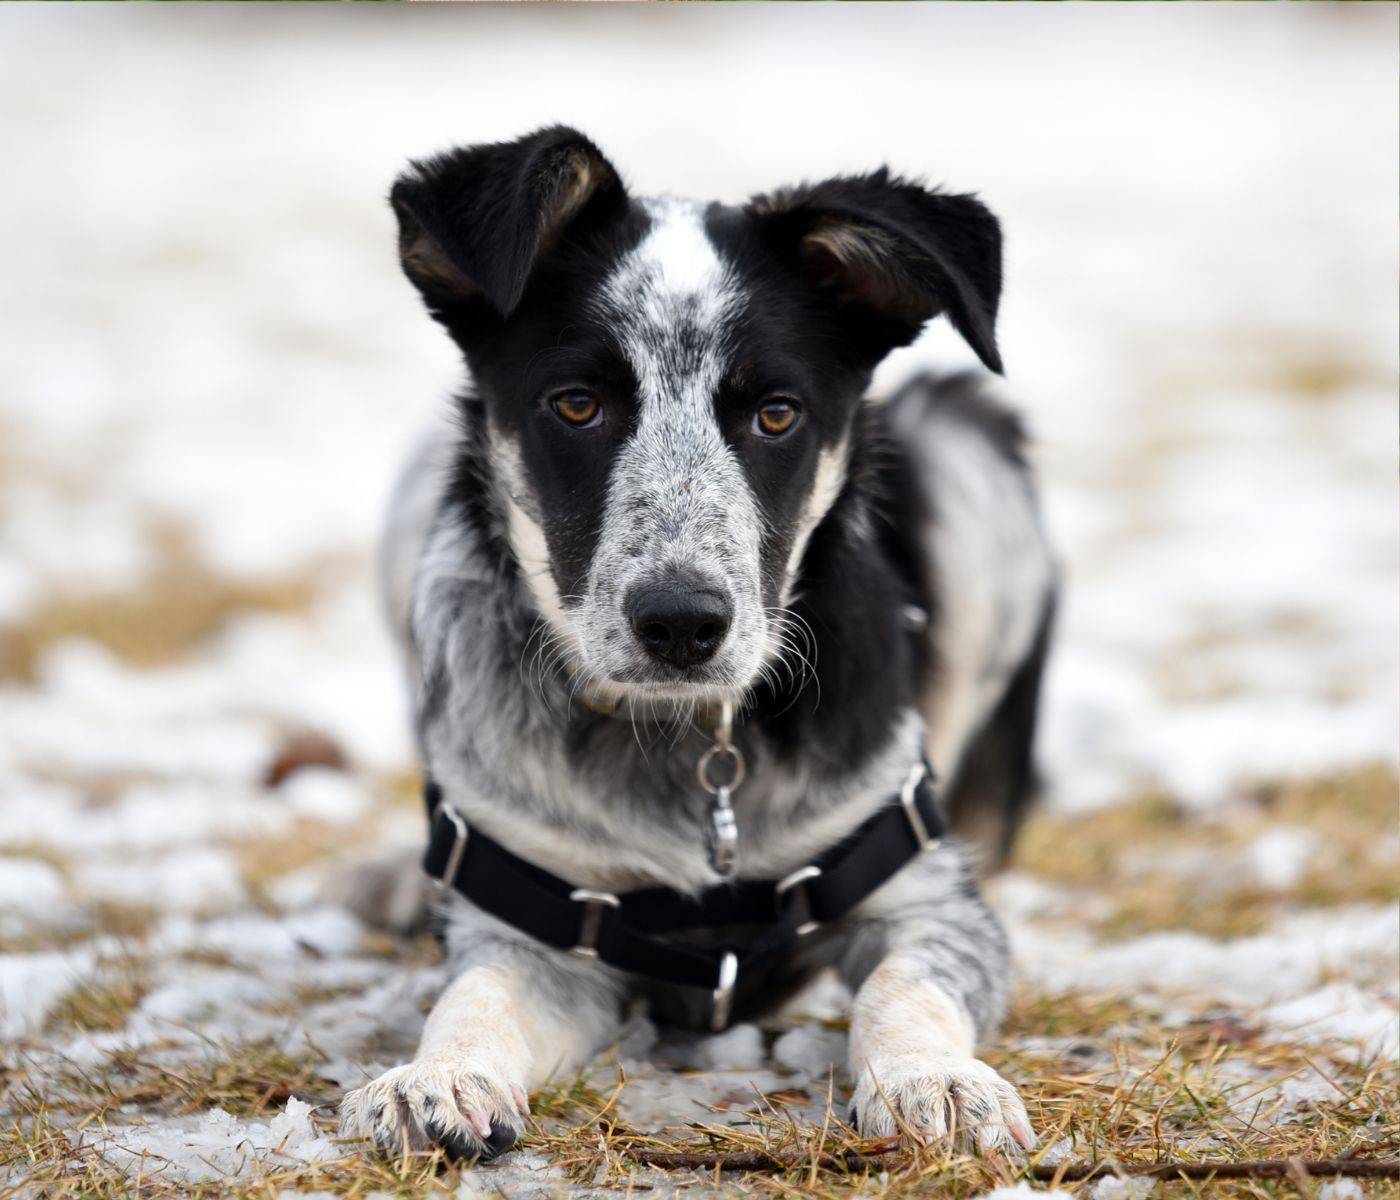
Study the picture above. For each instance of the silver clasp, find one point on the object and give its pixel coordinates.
(722, 834)
(459, 846)
(722, 837)
(788, 882)
(724, 991)
(907, 796)
(593, 905)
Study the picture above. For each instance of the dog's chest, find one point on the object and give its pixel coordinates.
(617, 808)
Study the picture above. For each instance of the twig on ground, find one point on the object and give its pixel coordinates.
(758, 1160)
(1259, 1168)
(853, 1160)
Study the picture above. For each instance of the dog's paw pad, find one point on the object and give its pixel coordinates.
(436, 1101)
(934, 1099)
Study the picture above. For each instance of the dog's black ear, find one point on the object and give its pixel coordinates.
(473, 222)
(898, 253)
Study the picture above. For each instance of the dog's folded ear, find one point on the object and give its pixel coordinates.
(896, 253)
(474, 222)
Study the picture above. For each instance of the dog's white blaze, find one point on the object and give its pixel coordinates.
(677, 496)
(674, 284)
(677, 251)
(832, 466)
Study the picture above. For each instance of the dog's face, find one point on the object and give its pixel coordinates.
(671, 388)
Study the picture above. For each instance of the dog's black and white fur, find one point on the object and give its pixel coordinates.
(615, 539)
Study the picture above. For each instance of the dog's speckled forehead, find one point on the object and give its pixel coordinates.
(670, 301)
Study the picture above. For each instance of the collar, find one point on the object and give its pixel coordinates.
(635, 931)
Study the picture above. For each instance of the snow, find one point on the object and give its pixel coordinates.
(217, 1145)
(1279, 857)
(325, 795)
(28, 889)
(200, 880)
(810, 1050)
(739, 1046)
(1026, 1191)
(32, 984)
(1115, 1187)
(1199, 322)
(1293, 958)
(1367, 1028)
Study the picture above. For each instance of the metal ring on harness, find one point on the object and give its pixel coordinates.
(738, 769)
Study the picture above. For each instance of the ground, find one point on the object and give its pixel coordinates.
(211, 368)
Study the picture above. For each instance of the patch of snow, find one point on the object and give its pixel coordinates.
(1022, 896)
(29, 889)
(32, 984)
(739, 1046)
(1361, 943)
(216, 1145)
(1025, 1191)
(258, 940)
(1057, 1152)
(195, 880)
(202, 993)
(810, 1049)
(656, 1097)
(19, 589)
(1120, 1187)
(825, 998)
(325, 795)
(1340, 1013)
(1279, 857)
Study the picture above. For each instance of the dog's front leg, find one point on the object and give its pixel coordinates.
(931, 965)
(502, 1027)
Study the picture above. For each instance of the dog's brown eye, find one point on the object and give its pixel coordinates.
(579, 409)
(776, 417)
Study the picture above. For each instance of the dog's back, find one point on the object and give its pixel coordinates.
(992, 582)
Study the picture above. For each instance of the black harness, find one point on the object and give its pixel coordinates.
(635, 931)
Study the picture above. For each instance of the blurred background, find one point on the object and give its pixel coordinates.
(210, 367)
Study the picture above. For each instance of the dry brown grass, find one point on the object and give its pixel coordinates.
(1133, 854)
(178, 605)
(124, 922)
(263, 860)
(1203, 1092)
(105, 1000)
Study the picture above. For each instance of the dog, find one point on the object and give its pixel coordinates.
(690, 616)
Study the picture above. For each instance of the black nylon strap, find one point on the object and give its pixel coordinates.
(631, 936)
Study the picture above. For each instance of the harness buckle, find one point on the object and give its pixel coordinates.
(592, 919)
(459, 845)
(908, 799)
(796, 879)
(724, 991)
(722, 836)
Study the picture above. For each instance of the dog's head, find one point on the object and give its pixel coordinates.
(671, 388)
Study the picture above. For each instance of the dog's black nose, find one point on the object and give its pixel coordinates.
(680, 626)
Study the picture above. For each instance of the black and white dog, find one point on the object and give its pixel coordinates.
(671, 527)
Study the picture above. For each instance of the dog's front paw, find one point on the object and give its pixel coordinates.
(437, 1100)
(936, 1097)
